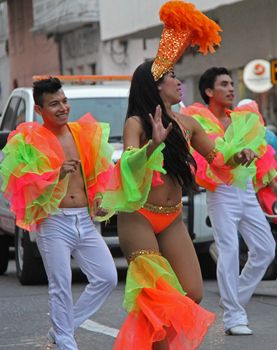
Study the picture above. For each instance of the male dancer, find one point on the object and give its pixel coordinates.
(53, 176)
(232, 209)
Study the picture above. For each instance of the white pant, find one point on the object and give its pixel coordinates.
(71, 232)
(234, 210)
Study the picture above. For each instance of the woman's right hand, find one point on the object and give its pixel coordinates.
(245, 157)
(159, 132)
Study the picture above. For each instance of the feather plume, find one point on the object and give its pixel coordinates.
(182, 16)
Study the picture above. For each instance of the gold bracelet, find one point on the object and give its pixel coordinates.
(98, 195)
(137, 253)
(129, 148)
(211, 155)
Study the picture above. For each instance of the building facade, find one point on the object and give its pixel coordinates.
(249, 32)
(29, 53)
(75, 26)
(115, 36)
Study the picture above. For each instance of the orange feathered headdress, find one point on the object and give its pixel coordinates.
(184, 25)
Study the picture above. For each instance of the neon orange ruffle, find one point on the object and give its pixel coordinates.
(182, 16)
(164, 312)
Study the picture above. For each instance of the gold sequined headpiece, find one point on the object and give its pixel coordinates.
(184, 26)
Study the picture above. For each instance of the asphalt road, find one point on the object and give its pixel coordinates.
(24, 318)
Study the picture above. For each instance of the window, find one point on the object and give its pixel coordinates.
(21, 113)
(10, 114)
(70, 71)
(110, 110)
(93, 68)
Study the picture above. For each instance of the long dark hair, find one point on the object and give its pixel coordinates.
(143, 99)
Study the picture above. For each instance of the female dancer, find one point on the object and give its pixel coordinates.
(158, 228)
(162, 260)
(164, 284)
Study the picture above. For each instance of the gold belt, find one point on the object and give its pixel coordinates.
(162, 209)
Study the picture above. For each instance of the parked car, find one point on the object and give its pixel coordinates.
(107, 103)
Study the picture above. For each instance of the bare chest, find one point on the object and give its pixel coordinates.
(225, 122)
(69, 147)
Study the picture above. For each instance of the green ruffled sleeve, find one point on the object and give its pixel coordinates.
(131, 181)
(30, 179)
(245, 131)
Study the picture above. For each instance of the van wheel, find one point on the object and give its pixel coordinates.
(29, 266)
(4, 254)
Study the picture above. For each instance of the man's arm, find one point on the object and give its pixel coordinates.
(31, 178)
(206, 147)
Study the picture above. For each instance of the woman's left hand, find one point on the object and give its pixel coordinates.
(159, 132)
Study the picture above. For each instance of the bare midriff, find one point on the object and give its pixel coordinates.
(168, 194)
(76, 195)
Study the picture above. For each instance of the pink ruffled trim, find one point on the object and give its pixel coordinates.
(266, 163)
(250, 107)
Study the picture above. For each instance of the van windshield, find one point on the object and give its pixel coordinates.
(110, 110)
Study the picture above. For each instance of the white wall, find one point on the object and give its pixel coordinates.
(80, 50)
(249, 32)
(117, 59)
(123, 17)
(63, 15)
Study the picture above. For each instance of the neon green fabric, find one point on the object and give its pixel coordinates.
(210, 126)
(245, 131)
(131, 181)
(143, 272)
(30, 176)
(32, 162)
(18, 152)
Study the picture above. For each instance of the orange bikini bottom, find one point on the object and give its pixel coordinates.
(160, 217)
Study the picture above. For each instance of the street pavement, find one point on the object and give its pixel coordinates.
(262, 316)
(24, 318)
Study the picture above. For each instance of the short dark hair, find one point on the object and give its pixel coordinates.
(208, 78)
(49, 85)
